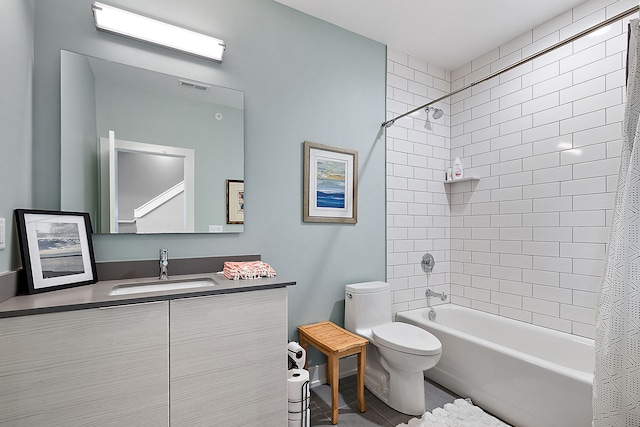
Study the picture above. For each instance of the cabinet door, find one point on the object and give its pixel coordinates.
(228, 360)
(93, 367)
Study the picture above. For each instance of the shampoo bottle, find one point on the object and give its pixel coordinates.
(457, 168)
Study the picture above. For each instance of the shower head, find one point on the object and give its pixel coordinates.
(437, 113)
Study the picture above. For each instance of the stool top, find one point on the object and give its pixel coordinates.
(331, 336)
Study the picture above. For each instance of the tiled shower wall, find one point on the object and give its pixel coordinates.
(527, 238)
(418, 210)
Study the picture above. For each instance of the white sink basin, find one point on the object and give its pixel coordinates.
(161, 286)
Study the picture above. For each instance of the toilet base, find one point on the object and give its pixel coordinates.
(406, 392)
(408, 400)
(377, 383)
(401, 390)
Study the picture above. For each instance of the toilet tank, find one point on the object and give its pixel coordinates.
(366, 305)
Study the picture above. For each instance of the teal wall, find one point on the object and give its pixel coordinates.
(16, 73)
(303, 79)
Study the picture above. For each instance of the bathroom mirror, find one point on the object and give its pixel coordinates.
(153, 119)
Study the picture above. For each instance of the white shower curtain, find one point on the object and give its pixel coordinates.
(616, 383)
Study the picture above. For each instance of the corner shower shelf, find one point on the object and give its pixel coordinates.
(453, 181)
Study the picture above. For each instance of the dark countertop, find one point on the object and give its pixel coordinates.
(97, 295)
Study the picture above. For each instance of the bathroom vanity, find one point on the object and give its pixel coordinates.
(186, 357)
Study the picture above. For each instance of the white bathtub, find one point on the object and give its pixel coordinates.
(525, 374)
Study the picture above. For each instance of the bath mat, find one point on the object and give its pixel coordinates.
(460, 413)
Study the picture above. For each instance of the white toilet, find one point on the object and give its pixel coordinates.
(399, 352)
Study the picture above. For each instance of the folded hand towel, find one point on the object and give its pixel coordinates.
(247, 270)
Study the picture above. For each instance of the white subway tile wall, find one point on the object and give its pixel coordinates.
(527, 239)
(418, 207)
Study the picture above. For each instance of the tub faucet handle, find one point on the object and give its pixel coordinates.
(427, 263)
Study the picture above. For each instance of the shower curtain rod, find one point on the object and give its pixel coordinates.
(604, 23)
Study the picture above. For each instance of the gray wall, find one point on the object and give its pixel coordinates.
(16, 73)
(303, 79)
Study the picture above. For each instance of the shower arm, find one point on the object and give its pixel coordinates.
(604, 23)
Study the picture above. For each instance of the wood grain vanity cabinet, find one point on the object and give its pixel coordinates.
(93, 367)
(216, 360)
(229, 360)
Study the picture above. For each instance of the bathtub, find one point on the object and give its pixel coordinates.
(527, 375)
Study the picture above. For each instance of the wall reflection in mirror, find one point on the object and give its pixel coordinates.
(147, 152)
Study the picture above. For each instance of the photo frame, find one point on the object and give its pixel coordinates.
(235, 201)
(330, 184)
(56, 249)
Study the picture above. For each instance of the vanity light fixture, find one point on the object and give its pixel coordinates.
(128, 24)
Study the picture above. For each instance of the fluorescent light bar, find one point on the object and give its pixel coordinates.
(118, 21)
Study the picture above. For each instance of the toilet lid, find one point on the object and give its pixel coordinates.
(406, 338)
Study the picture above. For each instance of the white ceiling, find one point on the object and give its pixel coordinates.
(446, 33)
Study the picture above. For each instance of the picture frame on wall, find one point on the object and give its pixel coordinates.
(330, 184)
(235, 201)
(56, 249)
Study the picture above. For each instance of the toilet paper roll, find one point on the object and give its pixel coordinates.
(298, 388)
(297, 355)
(300, 420)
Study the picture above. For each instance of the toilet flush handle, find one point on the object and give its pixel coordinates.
(348, 295)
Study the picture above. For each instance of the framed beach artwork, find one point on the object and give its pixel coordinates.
(235, 202)
(56, 249)
(330, 184)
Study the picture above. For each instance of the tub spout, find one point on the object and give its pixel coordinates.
(430, 293)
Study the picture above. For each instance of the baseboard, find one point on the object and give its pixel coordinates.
(318, 374)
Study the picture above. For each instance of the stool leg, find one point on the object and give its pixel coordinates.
(334, 388)
(362, 358)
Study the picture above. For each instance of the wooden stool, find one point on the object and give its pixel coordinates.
(335, 342)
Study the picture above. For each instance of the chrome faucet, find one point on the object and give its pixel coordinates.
(430, 293)
(164, 264)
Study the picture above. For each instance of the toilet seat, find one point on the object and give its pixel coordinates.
(406, 338)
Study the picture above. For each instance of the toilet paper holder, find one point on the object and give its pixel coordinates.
(296, 355)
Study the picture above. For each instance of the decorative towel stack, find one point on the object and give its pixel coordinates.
(247, 270)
